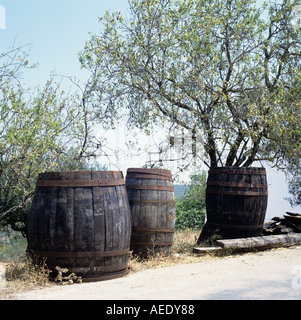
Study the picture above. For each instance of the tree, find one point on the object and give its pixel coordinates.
(43, 129)
(214, 66)
(294, 188)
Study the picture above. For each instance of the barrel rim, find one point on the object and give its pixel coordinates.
(241, 170)
(81, 183)
(161, 172)
(69, 173)
(134, 175)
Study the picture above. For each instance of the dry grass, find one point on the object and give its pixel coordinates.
(24, 275)
(183, 244)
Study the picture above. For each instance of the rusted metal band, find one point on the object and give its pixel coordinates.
(232, 226)
(160, 172)
(152, 244)
(237, 185)
(93, 254)
(141, 229)
(148, 176)
(156, 202)
(112, 268)
(239, 171)
(106, 276)
(238, 193)
(80, 172)
(81, 183)
(149, 187)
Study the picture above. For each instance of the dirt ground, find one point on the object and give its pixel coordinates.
(272, 275)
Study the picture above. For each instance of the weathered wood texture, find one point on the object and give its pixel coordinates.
(236, 201)
(262, 242)
(152, 203)
(85, 228)
(291, 222)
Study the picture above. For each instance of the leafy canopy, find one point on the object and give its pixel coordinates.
(218, 67)
(41, 129)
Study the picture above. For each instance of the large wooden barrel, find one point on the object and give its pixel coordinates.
(236, 201)
(152, 203)
(81, 221)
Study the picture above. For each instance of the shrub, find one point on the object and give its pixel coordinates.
(190, 209)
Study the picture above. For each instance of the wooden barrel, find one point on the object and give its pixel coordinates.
(152, 203)
(81, 221)
(236, 201)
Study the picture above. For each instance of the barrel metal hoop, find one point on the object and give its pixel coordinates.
(160, 172)
(104, 269)
(106, 276)
(141, 229)
(155, 202)
(149, 187)
(233, 226)
(238, 193)
(148, 176)
(81, 183)
(240, 171)
(237, 185)
(93, 254)
(150, 243)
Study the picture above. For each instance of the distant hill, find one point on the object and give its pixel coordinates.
(179, 190)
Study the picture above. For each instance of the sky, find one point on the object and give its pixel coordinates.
(56, 31)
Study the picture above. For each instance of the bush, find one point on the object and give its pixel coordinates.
(191, 208)
(12, 246)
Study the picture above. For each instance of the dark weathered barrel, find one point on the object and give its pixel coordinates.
(152, 203)
(236, 201)
(81, 221)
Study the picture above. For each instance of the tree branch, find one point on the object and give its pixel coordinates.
(16, 208)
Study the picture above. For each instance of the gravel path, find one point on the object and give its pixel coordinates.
(274, 274)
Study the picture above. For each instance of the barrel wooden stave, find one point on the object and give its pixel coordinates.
(152, 210)
(236, 201)
(82, 220)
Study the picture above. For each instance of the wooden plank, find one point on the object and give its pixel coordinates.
(294, 214)
(99, 214)
(263, 241)
(83, 216)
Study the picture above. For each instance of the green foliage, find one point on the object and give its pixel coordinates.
(41, 129)
(190, 209)
(12, 246)
(215, 66)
